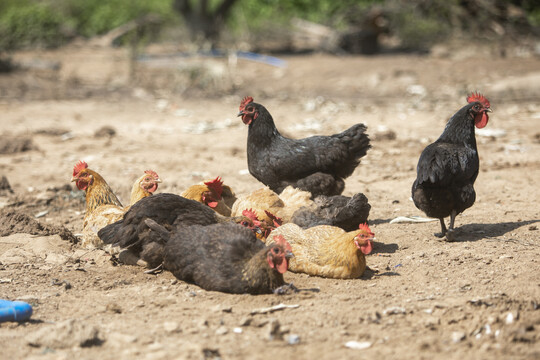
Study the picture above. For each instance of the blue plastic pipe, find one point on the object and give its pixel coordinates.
(14, 311)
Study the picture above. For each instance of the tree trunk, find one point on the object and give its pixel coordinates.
(202, 21)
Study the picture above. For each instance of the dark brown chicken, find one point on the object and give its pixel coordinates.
(224, 257)
(318, 164)
(342, 211)
(168, 210)
(447, 168)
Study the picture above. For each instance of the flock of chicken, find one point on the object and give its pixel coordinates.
(299, 221)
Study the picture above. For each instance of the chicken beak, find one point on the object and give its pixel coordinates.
(74, 178)
(289, 254)
(158, 180)
(489, 110)
(240, 113)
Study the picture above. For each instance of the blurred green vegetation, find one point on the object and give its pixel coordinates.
(255, 14)
(25, 23)
(418, 23)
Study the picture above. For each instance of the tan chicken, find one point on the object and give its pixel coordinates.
(327, 251)
(265, 200)
(102, 205)
(212, 193)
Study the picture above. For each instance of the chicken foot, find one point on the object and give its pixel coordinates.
(284, 289)
(443, 229)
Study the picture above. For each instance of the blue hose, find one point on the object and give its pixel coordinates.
(14, 311)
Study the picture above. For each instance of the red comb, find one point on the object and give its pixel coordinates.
(275, 219)
(365, 227)
(250, 214)
(280, 240)
(476, 96)
(152, 173)
(81, 165)
(245, 101)
(216, 185)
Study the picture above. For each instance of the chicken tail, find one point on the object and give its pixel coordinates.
(163, 233)
(108, 233)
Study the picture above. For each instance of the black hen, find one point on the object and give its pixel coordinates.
(168, 210)
(448, 168)
(318, 164)
(224, 257)
(338, 210)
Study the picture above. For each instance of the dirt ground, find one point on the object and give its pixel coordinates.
(476, 298)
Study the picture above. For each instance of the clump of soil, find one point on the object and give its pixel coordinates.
(15, 144)
(5, 187)
(17, 222)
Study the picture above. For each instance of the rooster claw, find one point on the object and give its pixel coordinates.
(155, 271)
(284, 289)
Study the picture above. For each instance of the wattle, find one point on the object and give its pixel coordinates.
(282, 267)
(246, 119)
(481, 120)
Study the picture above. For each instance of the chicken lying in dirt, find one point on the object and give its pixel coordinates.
(266, 203)
(295, 205)
(318, 164)
(102, 205)
(213, 194)
(338, 210)
(132, 235)
(224, 257)
(447, 168)
(327, 251)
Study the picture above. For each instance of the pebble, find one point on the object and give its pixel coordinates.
(510, 318)
(458, 336)
(274, 330)
(394, 310)
(293, 339)
(358, 345)
(222, 330)
(171, 326)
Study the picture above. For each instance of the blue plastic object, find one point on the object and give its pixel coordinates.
(14, 311)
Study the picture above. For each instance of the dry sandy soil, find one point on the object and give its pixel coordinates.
(476, 298)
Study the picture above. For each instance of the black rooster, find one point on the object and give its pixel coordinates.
(318, 164)
(448, 168)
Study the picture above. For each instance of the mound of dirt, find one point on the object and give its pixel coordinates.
(17, 222)
(5, 187)
(15, 144)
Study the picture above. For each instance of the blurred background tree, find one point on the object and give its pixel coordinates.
(415, 24)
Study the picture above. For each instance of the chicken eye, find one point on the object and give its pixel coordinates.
(276, 251)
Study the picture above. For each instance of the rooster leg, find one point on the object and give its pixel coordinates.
(156, 270)
(443, 229)
(450, 236)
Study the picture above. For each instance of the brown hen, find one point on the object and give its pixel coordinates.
(327, 251)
